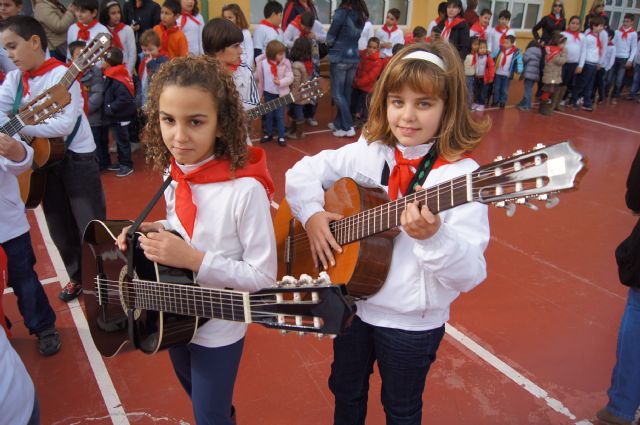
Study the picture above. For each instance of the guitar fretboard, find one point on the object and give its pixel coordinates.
(438, 198)
(270, 106)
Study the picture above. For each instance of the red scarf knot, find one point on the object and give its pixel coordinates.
(505, 55)
(308, 64)
(482, 31)
(297, 23)
(598, 42)
(47, 66)
(142, 68)
(389, 30)
(188, 15)
(274, 67)
(402, 174)
(503, 34)
(121, 73)
(114, 34)
(448, 26)
(551, 52)
(216, 170)
(556, 21)
(164, 38)
(625, 33)
(575, 34)
(270, 25)
(83, 33)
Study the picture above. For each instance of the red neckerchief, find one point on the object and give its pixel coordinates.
(439, 19)
(216, 170)
(142, 67)
(504, 34)
(575, 34)
(274, 68)
(556, 21)
(270, 25)
(551, 52)
(505, 55)
(188, 15)
(164, 38)
(83, 89)
(121, 73)
(232, 67)
(448, 25)
(114, 34)
(401, 175)
(625, 34)
(475, 59)
(83, 33)
(46, 66)
(389, 31)
(297, 23)
(598, 41)
(308, 64)
(482, 31)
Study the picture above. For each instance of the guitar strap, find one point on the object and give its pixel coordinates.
(136, 224)
(423, 170)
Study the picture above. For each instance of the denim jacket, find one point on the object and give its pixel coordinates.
(343, 36)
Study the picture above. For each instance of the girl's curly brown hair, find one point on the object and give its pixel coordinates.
(207, 73)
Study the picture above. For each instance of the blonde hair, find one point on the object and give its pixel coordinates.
(206, 73)
(595, 4)
(459, 131)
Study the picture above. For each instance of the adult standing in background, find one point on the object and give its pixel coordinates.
(597, 9)
(56, 20)
(455, 29)
(294, 8)
(470, 14)
(141, 15)
(554, 21)
(342, 40)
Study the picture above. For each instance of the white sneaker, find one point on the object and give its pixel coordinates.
(312, 122)
(479, 108)
(339, 133)
(350, 133)
(331, 126)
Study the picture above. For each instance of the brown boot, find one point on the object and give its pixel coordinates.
(557, 98)
(546, 107)
(299, 129)
(293, 130)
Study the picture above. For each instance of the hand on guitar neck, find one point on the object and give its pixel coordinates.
(418, 222)
(11, 149)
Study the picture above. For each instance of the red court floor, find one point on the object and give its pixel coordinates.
(533, 344)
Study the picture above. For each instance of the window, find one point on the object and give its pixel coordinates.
(524, 13)
(377, 10)
(616, 9)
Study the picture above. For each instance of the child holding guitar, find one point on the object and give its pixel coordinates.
(218, 202)
(73, 195)
(418, 134)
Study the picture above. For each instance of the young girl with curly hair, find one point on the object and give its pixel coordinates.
(218, 202)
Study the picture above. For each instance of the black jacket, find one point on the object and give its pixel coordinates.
(146, 16)
(119, 104)
(548, 26)
(633, 185)
(459, 37)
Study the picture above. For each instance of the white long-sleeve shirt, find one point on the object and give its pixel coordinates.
(129, 53)
(626, 48)
(63, 122)
(425, 275)
(263, 34)
(247, 49)
(72, 34)
(192, 32)
(17, 392)
(233, 228)
(589, 52)
(573, 46)
(292, 33)
(365, 35)
(13, 220)
(493, 39)
(396, 37)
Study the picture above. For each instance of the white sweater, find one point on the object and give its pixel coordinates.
(17, 392)
(425, 275)
(193, 33)
(396, 37)
(13, 220)
(233, 227)
(72, 34)
(247, 48)
(292, 33)
(573, 46)
(128, 40)
(263, 34)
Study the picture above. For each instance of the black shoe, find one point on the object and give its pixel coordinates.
(48, 342)
(282, 141)
(494, 104)
(501, 105)
(266, 139)
(587, 108)
(114, 167)
(70, 292)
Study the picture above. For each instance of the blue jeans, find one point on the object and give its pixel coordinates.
(636, 80)
(569, 75)
(585, 82)
(501, 89)
(624, 393)
(618, 70)
(101, 137)
(359, 104)
(121, 135)
(470, 79)
(208, 376)
(403, 357)
(32, 301)
(342, 75)
(481, 91)
(296, 112)
(528, 90)
(278, 114)
(35, 413)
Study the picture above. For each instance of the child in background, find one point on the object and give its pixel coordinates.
(555, 57)
(218, 202)
(625, 45)
(10, 8)
(367, 74)
(418, 35)
(234, 13)
(635, 86)
(423, 84)
(365, 35)
(455, 29)
(149, 64)
(574, 43)
(274, 76)
(173, 43)
(87, 26)
(470, 70)
(191, 24)
(604, 74)
(442, 14)
(268, 29)
(508, 63)
(389, 34)
(531, 74)
(302, 68)
(119, 108)
(304, 25)
(485, 73)
(497, 34)
(591, 55)
(122, 35)
(481, 28)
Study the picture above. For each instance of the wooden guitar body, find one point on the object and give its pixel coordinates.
(363, 265)
(111, 324)
(46, 152)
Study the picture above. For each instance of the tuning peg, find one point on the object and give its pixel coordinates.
(531, 206)
(518, 152)
(511, 209)
(552, 202)
(305, 279)
(498, 158)
(324, 278)
(288, 281)
(521, 201)
(543, 197)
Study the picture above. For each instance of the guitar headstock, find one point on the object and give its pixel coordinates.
(310, 90)
(92, 52)
(303, 305)
(539, 173)
(45, 105)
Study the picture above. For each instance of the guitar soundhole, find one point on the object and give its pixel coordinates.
(127, 293)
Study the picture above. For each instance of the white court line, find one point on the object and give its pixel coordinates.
(46, 281)
(599, 122)
(107, 389)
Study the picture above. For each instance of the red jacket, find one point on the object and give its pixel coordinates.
(489, 70)
(368, 71)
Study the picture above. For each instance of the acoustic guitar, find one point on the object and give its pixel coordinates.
(51, 151)
(371, 222)
(308, 90)
(162, 306)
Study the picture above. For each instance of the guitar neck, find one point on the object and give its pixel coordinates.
(438, 198)
(270, 106)
(70, 76)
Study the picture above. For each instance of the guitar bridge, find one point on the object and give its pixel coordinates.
(288, 249)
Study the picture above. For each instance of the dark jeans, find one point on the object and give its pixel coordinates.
(101, 137)
(617, 76)
(208, 376)
(403, 357)
(296, 112)
(278, 114)
(342, 75)
(73, 197)
(481, 90)
(121, 135)
(309, 110)
(501, 89)
(569, 76)
(35, 413)
(470, 80)
(359, 104)
(585, 82)
(32, 300)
